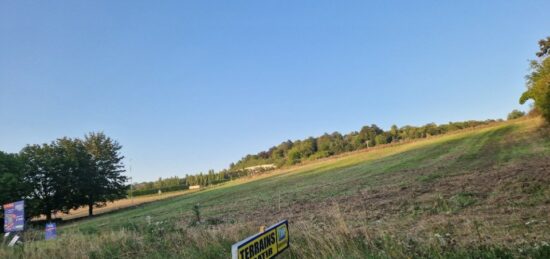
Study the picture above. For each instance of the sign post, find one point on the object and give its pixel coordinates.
(14, 240)
(266, 244)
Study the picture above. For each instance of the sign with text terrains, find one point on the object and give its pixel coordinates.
(266, 244)
(14, 216)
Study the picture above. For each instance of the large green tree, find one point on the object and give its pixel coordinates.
(538, 81)
(44, 173)
(75, 163)
(104, 180)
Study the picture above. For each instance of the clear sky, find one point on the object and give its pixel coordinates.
(187, 86)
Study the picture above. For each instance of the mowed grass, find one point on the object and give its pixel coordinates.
(117, 205)
(482, 193)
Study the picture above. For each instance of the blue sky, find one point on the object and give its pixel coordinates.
(186, 86)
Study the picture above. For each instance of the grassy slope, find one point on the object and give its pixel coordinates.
(481, 192)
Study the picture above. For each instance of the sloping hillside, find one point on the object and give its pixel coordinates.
(477, 193)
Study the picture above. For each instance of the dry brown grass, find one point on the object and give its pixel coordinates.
(118, 204)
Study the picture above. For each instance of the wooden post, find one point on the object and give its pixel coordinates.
(279, 203)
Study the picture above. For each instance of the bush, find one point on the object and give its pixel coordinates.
(515, 114)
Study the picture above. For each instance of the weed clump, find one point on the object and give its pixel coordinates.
(197, 214)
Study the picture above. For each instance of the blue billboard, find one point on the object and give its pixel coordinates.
(14, 216)
(51, 232)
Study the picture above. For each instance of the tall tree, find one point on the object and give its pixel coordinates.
(325, 145)
(75, 163)
(538, 81)
(103, 181)
(394, 132)
(43, 174)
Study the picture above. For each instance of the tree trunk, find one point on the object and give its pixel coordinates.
(90, 210)
(48, 216)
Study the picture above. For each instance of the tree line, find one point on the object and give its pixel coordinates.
(65, 174)
(289, 152)
(293, 152)
(176, 183)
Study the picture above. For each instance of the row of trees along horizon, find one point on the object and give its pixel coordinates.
(290, 153)
(70, 173)
(293, 152)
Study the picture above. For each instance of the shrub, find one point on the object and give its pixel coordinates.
(515, 114)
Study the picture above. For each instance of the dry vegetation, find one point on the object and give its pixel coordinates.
(117, 205)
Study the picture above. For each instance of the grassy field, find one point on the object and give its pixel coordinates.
(476, 193)
(117, 205)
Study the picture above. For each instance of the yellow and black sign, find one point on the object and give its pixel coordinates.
(266, 244)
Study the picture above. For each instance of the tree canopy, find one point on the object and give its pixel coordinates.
(538, 81)
(293, 152)
(63, 175)
(105, 171)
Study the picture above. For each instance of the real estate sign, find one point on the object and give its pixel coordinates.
(14, 216)
(51, 232)
(266, 244)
